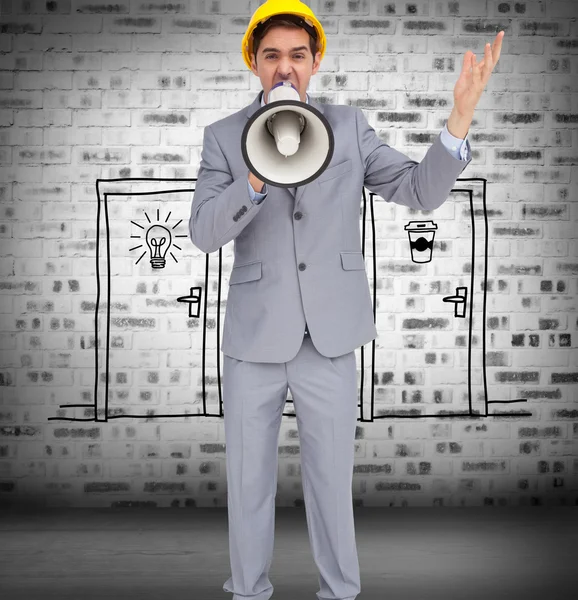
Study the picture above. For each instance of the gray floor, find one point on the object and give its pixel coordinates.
(404, 554)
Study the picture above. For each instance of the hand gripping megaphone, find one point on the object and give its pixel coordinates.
(287, 143)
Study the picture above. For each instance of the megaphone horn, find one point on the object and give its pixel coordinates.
(287, 143)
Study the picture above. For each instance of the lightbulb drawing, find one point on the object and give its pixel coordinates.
(159, 240)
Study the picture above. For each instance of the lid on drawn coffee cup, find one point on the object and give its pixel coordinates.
(421, 225)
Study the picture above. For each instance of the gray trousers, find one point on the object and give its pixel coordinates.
(324, 392)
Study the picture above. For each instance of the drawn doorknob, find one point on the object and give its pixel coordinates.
(459, 301)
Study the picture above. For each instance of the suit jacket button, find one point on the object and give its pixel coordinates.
(298, 215)
(302, 266)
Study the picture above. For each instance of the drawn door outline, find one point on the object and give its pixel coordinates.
(98, 409)
(129, 187)
(474, 188)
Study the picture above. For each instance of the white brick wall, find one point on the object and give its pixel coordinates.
(96, 91)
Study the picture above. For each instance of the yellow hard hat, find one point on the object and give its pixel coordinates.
(301, 14)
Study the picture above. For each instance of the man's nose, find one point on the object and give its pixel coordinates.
(284, 67)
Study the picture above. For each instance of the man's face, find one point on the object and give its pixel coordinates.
(284, 55)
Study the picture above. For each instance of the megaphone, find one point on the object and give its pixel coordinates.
(287, 143)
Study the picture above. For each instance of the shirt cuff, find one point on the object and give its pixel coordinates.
(459, 148)
(257, 197)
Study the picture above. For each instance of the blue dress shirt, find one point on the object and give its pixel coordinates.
(457, 147)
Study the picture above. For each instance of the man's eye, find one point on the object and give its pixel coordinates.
(296, 56)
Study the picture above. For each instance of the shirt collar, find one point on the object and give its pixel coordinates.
(306, 99)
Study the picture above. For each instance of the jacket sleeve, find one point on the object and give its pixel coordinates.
(396, 178)
(221, 206)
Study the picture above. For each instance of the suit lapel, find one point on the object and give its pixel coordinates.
(298, 192)
(254, 106)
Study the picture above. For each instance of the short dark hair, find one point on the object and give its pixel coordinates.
(257, 37)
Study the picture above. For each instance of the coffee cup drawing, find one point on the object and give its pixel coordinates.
(421, 237)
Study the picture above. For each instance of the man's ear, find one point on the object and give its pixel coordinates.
(316, 63)
(254, 64)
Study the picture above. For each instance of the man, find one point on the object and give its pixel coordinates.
(299, 302)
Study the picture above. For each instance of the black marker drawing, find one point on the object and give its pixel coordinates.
(421, 242)
(193, 299)
(460, 300)
(462, 332)
(469, 377)
(421, 237)
(159, 240)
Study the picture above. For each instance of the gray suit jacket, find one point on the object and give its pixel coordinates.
(298, 258)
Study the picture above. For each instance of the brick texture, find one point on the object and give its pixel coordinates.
(101, 91)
